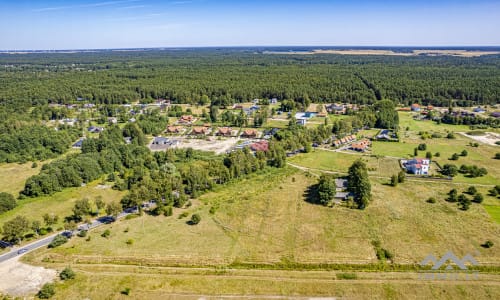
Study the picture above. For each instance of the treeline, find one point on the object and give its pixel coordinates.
(236, 76)
(171, 176)
(35, 142)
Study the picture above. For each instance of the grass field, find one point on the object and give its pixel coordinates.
(60, 203)
(14, 175)
(406, 120)
(108, 282)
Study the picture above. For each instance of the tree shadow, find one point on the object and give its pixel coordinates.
(311, 194)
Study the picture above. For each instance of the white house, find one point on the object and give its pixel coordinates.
(417, 166)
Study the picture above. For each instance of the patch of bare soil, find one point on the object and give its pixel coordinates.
(18, 279)
(489, 138)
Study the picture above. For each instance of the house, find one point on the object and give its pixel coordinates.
(174, 129)
(249, 133)
(260, 146)
(199, 130)
(361, 146)
(417, 166)
(384, 135)
(94, 129)
(186, 119)
(237, 106)
(337, 109)
(112, 120)
(132, 120)
(415, 107)
(160, 141)
(341, 189)
(270, 133)
(495, 114)
(224, 131)
(273, 100)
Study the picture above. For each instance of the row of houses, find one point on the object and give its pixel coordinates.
(344, 140)
(361, 146)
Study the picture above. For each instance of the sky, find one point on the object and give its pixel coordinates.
(98, 24)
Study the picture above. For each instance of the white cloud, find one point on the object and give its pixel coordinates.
(97, 4)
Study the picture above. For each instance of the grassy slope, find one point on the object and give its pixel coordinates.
(14, 175)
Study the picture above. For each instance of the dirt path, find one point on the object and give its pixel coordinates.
(18, 279)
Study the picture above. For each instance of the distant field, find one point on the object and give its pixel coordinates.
(406, 120)
(429, 52)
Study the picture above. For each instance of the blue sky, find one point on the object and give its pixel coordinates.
(86, 24)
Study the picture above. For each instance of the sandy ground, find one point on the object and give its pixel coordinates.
(489, 138)
(462, 53)
(215, 145)
(18, 279)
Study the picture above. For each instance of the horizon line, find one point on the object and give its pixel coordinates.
(420, 47)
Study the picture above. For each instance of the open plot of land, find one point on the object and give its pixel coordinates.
(219, 146)
(328, 160)
(489, 138)
(14, 175)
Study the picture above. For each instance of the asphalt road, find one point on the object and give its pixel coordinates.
(18, 251)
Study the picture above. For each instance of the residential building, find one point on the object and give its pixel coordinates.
(417, 166)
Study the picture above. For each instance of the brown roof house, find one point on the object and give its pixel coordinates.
(249, 133)
(224, 131)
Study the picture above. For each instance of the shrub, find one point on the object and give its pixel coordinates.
(130, 242)
(478, 198)
(487, 244)
(464, 153)
(471, 190)
(346, 276)
(497, 155)
(168, 211)
(450, 135)
(463, 202)
(422, 147)
(67, 273)
(212, 210)
(106, 233)
(431, 200)
(452, 196)
(195, 219)
(183, 215)
(82, 233)
(58, 241)
(401, 176)
(47, 291)
(455, 156)
(437, 154)
(34, 165)
(428, 155)
(126, 291)
(394, 180)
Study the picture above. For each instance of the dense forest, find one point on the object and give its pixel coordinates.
(231, 75)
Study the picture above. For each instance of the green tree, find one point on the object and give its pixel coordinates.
(449, 170)
(7, 202)
(50, 219)
(463, 202)
(401, 176)
(359, 183)
(99, 203)
(455, 156)
(113, 209)
(478, 198)
(464, 153)
(214, 113)
(326, 189)
(15, 229)
(428, 155)
(452, 195)
(471, 190)
(36, 226)
(81, 208)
